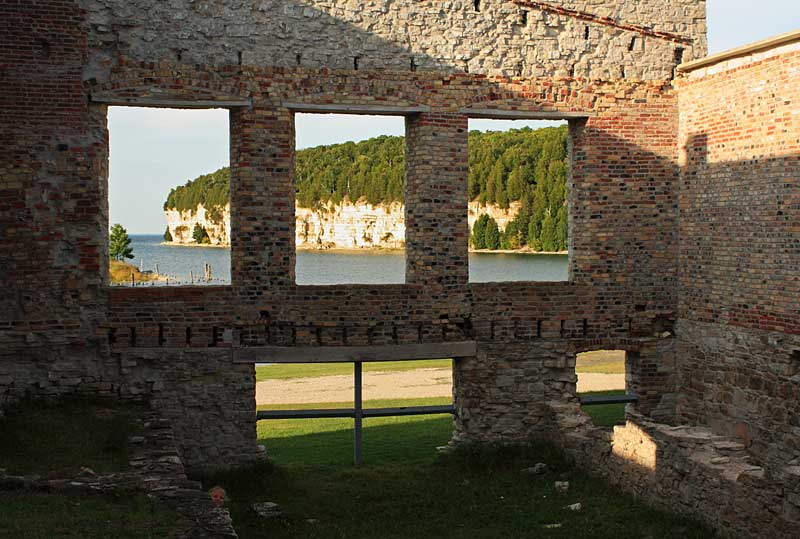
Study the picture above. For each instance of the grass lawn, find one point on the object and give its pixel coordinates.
(45, 516)
(311, 370)
(41, 437)
(601, 362)
(407, 490)
(605, 415)
(56, 440)
(330, 441)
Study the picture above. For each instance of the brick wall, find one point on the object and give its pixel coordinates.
(63, 330)
(739, 290)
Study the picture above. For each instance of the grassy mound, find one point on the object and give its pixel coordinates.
(41, 437)
(407, 490)
(120, 272)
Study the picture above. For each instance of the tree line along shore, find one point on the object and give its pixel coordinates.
(522, 171)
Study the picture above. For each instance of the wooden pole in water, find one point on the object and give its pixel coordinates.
(133, 279)
(191, 276)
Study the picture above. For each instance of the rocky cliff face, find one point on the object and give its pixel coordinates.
(217, 223)
(349, 225)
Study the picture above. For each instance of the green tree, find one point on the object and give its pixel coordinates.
(548, 237)
(492, 235)
(119, 245)
(562, 229)
(200, 235)
(167, 236)
(479, 232)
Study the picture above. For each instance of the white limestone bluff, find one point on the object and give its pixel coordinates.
(349, 225)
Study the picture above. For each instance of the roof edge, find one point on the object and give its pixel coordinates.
(764, 44)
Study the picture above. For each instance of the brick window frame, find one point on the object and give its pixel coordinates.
(98, 108)
(410, 114)
(575, 122)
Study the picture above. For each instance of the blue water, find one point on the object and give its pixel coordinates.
(184, 265)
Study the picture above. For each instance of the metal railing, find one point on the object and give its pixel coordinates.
(358, 413)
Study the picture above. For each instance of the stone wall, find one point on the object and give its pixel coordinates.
(685, 469)
(739, 291)
(645, 39)
(649, 244)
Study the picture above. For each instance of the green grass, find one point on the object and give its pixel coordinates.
(329, 442)
(407, 490)
(45, 516)
(605, 415)
(38, 437)
(601, 362)
(311, 370)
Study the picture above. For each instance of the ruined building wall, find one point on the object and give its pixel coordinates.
(613, 39)
(63, 330)
(739, 291)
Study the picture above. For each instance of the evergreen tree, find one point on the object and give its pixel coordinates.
(200, 235)
(492, 235)
(548, 236)
(479, 232)
(520, 165)
(167, 236)
(562, 229)
(119, 245)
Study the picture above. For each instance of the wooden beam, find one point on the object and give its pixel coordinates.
(497, 114)
(350, 354)
(163, 102)
(341, 108)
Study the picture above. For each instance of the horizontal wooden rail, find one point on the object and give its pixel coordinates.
(500, 114)
(353, 354)
(327, 413)
(608, 399)
(166, 102)
(346, 108)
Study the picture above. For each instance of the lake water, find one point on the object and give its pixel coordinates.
(185, 265)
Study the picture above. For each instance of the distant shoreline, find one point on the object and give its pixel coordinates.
(373, 250)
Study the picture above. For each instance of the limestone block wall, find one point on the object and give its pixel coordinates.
(739, 287)
(686, 469)
(645, 39)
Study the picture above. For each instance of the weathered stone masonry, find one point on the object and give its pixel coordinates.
(652, 257)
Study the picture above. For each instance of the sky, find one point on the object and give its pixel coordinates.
(154, 150)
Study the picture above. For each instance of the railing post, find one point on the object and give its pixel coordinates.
(359, 413)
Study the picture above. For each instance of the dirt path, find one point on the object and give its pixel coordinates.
(418, 383)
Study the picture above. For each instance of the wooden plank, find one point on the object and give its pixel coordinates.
(608, 399)
(350, 354)
(171, 103)
(342, 108)
(497, 114)
(321, 413)
(327, 413)
(410, 410)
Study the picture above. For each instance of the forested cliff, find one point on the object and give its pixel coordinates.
(350, 195)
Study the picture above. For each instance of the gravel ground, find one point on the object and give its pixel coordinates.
(418, 383)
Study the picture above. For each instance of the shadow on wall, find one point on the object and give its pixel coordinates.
(283, 33)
